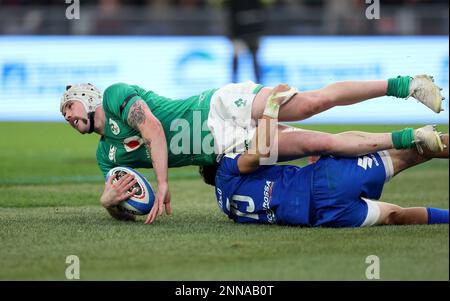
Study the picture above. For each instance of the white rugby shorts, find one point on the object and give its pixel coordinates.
(230, 117)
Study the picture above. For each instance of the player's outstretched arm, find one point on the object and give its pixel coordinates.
(266, 130)
(141, 118)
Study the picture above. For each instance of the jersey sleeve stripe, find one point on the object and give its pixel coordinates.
(125, 102)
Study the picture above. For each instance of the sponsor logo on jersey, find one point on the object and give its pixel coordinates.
(266, 203)
(366, 161)
(114, 127)
(112, 153)
(132, 143)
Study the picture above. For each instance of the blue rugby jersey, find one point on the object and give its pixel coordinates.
(271, 194)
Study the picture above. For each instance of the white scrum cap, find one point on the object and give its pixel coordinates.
(87, 94)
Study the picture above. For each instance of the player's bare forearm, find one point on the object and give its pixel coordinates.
(155, 141)
(141, 118)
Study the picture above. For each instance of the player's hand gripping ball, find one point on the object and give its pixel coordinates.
(142, 201)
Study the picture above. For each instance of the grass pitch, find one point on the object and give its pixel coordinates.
(49, 209)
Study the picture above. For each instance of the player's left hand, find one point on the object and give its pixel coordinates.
(162, 200)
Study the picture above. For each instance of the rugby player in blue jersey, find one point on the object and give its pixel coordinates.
(332, 192)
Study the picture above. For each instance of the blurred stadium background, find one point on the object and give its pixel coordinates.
(50, 184)
(179, 48)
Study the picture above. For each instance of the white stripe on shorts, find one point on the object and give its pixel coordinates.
(373, 213)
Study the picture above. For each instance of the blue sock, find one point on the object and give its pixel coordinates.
(437, 216)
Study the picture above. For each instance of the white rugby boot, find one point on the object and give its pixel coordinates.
(428, 138)
(423, 88)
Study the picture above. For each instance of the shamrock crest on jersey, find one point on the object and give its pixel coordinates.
(115, 129)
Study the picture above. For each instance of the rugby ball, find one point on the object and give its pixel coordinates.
(142, 201)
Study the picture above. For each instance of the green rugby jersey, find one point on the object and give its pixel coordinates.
(189, 141)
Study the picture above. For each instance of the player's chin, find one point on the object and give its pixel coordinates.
(83, 127)
(83, 130)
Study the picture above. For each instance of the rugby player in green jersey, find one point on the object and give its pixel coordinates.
(141, 129)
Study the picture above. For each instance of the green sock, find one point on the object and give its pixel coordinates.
(403, 139)
(399, 86)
